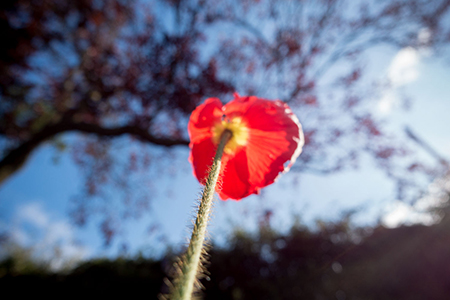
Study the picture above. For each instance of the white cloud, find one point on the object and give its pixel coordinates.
(19, 236)
(424, 36)
(404, 67)
(33, 214)
(421, 212)
(387, 102)
(50, 239)
(401, 213)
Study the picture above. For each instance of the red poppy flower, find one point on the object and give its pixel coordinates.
(265, 135)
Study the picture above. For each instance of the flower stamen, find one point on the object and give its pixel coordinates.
(239, 133)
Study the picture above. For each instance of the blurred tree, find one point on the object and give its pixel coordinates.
(109, 69)
(336, 261)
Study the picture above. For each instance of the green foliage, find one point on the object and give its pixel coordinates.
(99, 277)
(19, 261)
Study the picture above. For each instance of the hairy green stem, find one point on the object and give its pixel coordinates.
(190, 266)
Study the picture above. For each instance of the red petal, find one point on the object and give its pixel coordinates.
(275, 137)
(199, 128)
(234, 179)
(203, 118)
(201, 158)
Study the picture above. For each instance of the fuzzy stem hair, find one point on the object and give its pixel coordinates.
(190, 266)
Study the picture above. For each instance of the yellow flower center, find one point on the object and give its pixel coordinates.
(239, 133)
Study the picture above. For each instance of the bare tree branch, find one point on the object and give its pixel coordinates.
(15, 159)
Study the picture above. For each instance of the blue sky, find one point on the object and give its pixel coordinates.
(34, 203)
